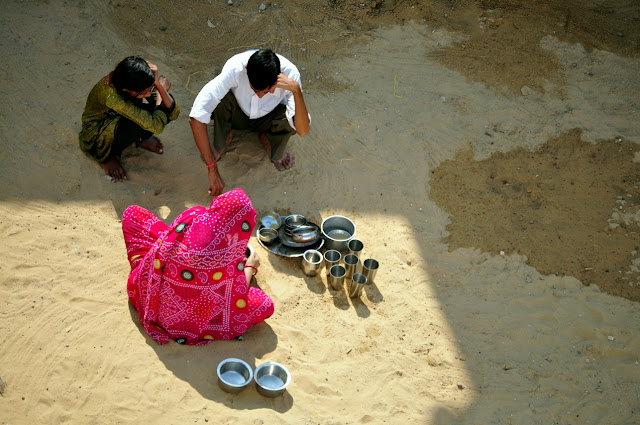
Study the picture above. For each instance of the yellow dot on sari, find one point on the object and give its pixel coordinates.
(217, 276)
(134, 257)
(207, 337)
(156, 264)
(241, 303)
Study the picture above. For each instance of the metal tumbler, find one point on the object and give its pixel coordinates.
(358, 281)
(369, 269)
(331, 258)
(336, 277)
(351, 264)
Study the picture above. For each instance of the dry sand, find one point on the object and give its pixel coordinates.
(459, 328)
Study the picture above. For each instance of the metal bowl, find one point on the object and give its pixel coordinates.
(271, 379)
(271, 219)
(267, 234)
(294, 220)
(234, 375)
(305, 234)
(337, 231)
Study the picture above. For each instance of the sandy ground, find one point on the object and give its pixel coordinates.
(487, 152)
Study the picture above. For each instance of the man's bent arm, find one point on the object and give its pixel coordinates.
(301, 118)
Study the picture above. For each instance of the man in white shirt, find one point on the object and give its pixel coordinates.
(257, 90)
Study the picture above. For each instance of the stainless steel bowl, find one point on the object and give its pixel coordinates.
(294, 220)
(337, 231)
(271, 219)
(267, 234)
(234, 375)
(305, 234)
(271, 379)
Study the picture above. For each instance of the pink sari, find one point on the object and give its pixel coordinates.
(187, 280)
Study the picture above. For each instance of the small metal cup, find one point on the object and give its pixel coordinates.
(336, 277)
(369, 269)
(351, 264)
(358, 281)
(355, 247)
(331, 258)
(311, 262)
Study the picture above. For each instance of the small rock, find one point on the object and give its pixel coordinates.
(262, 7)
(460, 386)
(611, 338)
(620, 34)
(230, 2)
(163, 27)
(408, 262)
(211, 24)
(526, 91)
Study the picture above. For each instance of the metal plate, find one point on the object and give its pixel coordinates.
(278, 248)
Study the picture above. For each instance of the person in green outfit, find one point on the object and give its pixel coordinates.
(125, 108)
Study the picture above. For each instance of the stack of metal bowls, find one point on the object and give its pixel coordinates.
(292, 222)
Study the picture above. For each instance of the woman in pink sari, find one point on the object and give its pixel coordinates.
(188, 281)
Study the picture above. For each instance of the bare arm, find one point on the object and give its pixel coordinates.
(301, 118)
(201, 138)
(252, 261)
(163, 85)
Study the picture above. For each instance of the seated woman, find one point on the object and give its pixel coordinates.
(126, 107)
(188, 281)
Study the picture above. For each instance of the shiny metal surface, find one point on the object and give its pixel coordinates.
(305, 233)
(271, 220)
(271, 379)
(358, 280)
(234, 375)
(337, 231)
(311, 262)
(267, 234)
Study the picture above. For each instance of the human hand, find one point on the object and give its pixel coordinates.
(284, 82)
(216, 184)
(253, 260)
(154, 68)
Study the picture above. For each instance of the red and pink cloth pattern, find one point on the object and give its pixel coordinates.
(187, 280)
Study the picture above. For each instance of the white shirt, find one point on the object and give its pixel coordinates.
(234, 77)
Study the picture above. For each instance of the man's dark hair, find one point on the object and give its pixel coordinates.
(263, 69)
(132, 73)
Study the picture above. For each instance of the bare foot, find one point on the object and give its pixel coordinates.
(113, 169)
(152, 144)
(284, 163)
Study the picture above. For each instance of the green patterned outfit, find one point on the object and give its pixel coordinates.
(111, 122)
